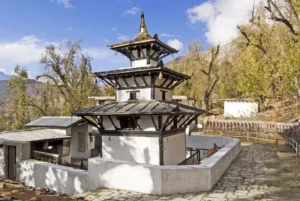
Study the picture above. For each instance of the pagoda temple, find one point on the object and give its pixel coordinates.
(143, 124)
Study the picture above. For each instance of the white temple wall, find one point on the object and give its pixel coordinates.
(240, 109)
(158, 94)
(143, 94)
(143, 63)
(174, 149)
(133, 149)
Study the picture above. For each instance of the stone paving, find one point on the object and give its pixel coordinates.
(260, 172)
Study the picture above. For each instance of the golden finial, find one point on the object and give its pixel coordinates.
(143, 28)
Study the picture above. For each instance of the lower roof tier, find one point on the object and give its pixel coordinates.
(152, 107)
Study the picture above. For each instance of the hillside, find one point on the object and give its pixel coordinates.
(4, 92)
(4, 76)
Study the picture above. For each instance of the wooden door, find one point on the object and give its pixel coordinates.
(11, 162)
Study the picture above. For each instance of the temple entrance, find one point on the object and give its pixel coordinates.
(11, 162)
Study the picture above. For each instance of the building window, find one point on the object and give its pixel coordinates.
(163, 95)
(128, 123)
(81, 142)
(132, 95)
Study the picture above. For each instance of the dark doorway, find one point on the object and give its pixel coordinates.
(11, 162)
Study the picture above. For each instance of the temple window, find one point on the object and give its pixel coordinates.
(128, 123)
(133, 95)
(163, 95)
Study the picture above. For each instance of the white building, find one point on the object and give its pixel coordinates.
(236, 108)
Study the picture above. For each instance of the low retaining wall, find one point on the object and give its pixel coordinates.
(154, 179)
(58, 178)
(264, 131)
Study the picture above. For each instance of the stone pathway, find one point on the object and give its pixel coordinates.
(260, 172)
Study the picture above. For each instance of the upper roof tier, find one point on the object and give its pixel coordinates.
(144, 40)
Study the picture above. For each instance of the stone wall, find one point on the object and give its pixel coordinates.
(262, 131)
(168, 179)
(58, 178)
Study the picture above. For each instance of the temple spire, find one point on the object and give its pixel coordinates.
(143, 29)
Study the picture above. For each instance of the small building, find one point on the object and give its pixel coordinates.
(184, 100)
(35, 144)
(143, 125)
(60, 140)
(236, 108)
(82, 143)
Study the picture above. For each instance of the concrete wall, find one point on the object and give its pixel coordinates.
(240, 109)
(22, 153)
(134, 149)
(153, 179)
(61, 179)
(110, 173)
(174, 149)
(74, 153)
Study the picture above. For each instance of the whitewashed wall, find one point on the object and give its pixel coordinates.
(134, 149)
(22, 153)
(240, 109)
(143, 94)
(143, 63)
(174, 149)
(74, 153)
(58, 178)
(154, 179)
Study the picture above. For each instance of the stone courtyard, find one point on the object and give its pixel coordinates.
(260, 172)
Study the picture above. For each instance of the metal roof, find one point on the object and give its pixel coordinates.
(139, 108)
(58, 122)
(141, 70)
(33, 135)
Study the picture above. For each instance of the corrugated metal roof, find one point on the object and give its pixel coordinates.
(140, 108)
(59, 122)
(33, 135)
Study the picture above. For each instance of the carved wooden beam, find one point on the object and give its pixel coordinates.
(164, 82)
(143, 78)
(134, 79)
(118, 83)
(126, 82)
(171, 82)
(177, 83)
(167, 123)
(153, 121)
(136, 122)
(190, 121)
(180, 118)
(106, 82)
(189, 118)
(167, 120)
(113, 123)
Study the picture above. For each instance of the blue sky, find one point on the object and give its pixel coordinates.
(27, 26)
